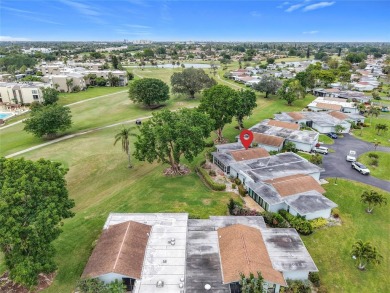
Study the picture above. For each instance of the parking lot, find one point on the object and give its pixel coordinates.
(335, 164)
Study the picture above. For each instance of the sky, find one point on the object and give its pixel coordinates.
(182, 20)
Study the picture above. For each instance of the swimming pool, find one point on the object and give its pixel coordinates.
(5, 115)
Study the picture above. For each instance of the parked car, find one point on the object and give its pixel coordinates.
(361, 168)
(351, 157)
(332, 135)
(320, 150)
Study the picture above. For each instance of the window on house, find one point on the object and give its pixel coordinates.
(34, 92)
(35, 97)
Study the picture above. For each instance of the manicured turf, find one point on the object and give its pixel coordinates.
(68, 98)
(330, 248)
(96, 113)
(370, 134)
(100, 183)
(382, 171)
(304, 155)
(325, 139)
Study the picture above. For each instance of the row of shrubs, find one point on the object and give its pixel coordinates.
(235, 209)
(302, 225)
(275, 220)
(210, 182)
(97, 286)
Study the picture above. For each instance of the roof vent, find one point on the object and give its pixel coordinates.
(172, 241)
(164, 261)
(181, 285)
(182, 280)
(207, 287)
(160, 284)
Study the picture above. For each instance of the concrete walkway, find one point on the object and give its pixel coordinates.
(81, 133)
(68, 105)
(74, 135)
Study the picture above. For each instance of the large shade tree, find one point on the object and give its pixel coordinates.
(267, 84)
(33, 202)
(372, 198)
(48, 120)
(149, 91)
(169, 135)
(291, 90)
(50, 96)
(123, 136)
(246, 103)
(221, 103)
(191, 81)
(365, 253)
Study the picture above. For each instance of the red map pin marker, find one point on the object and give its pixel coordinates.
(246, 137)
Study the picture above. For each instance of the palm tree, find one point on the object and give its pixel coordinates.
(123, 136)
(372, 199)
(365, 253)
(69, 84)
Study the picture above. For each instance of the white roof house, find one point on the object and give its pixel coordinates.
(332, 104)
(167, 252)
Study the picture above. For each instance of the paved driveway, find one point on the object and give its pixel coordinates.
(335, 164)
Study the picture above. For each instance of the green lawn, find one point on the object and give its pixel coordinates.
(330, 248)
(325, 139)
(383, 169)
(96, 113)
(68, 98)
(100, 183)
(304, 155)
(370, 134)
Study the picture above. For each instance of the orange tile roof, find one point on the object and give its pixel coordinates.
(328, 106)
(295, 184)
(295, 115)
(283, 124)
(267, 139)
(338, 115)
(253, 153)
(120, 249)
(242, 250)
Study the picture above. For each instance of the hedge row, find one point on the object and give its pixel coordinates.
(300, 224)
(275, 220)
(210, 182)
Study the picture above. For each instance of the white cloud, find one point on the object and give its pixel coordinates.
(13, 39)
(82, 8)
(17, 10)
(318, 5)
(138, 26)
(294, 7)
(139, 3)
(256, 14)
(311, 32)
(132, 33)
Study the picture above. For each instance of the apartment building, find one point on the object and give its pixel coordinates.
(21, 93)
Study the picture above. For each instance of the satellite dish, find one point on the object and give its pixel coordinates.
(207, 287)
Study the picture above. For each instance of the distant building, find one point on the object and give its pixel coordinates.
(323, 122)
(33, 50)
(142, 42)
(21, 93)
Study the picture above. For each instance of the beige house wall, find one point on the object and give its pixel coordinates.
(20, 94)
